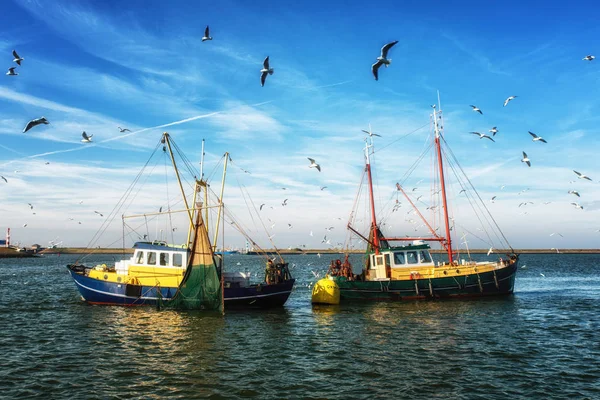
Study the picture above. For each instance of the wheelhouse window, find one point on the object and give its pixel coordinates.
(425, 257)
(177, 260)
(411, 257)
(164, 259)
(398, 258)
(151, 258)
(140, 257)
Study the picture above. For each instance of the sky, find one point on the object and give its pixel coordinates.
(95, 66)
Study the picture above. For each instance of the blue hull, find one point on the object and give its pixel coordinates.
(95, 291)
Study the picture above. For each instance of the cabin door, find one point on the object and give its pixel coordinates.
(378, 267)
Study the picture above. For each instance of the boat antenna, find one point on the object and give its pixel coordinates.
(220, 200)
(442, 181)
(368, 146)
(202, 162)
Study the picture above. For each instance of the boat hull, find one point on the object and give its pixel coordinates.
(95, 291)
(496, 282)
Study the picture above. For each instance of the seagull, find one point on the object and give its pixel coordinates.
(35, 122)
(508, 100)
(289, 226)
(284, 202)
(577, 206)
(3, 178)
(371, 134)
(536, 137)
(47, 163)
(483, 135)
(30, 205)
(123, 129)
(86, 138)
(575, 192)
(475, 108)
(493, 198)
(323, 187)
(494, 131)
(526, 159)
(542, 275)
(206, 35)
(490, 251)
(18, 59)
(382, 59)
(582, 176)
(502, 187)
(313, 164)
(261, 206)
(99, 213)
(24, 225)
(556, 233)
(265, 71)
(11, 71)
(586, 58)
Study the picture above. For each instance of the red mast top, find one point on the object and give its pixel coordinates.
(443, 184)
(373, 218)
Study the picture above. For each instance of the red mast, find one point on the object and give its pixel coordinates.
(443, 185)
(373, 219)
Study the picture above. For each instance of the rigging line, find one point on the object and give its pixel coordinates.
(489, 213)
(168, 224)
(401, 137)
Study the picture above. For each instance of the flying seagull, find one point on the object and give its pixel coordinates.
(575, 192)
(323, 187)
(382, 59)
(494, 130)
(536, 137)
(582, 176)
(86, 138)
(100, 214)
(123, 129)
(508, 100)
(586, 58)
(284, 202)
(30, 205)
(577, 206)
(35, 122)
(11, 71)
(265, 71)
(483, 135)
(369, 132)
(17, 58)
(207, 35)
(3, 178)
(475, 108)
(313, 164)
(526, 159)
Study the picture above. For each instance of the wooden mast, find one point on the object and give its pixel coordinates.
(442, 184)
(373, 218)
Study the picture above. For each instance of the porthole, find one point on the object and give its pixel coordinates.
(105, 276)
(458, 271)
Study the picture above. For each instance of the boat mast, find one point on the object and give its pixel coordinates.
(442, 182)
(168, 142)
(220, 201)
(373, 218)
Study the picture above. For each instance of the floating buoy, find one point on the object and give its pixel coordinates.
(326, 291)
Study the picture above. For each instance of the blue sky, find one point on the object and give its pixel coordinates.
(88, 67)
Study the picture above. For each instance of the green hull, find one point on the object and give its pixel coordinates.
(497, 282)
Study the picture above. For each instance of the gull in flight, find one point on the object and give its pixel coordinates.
(369, 132)
(556, 233)
(11, 71)
(536, 137)
(382, 59)
(86, 138)
(542, 275)
(586, 58)
(582, 176)
(323, 187)
(475, 108)
(284, 202)
(206, 35)
(3, 178)
(526, 159)
(30, 205)
(24, 225)
(35, 122)
(493, 198)
(577, 206)
(483, 135)
(490, 251)
(494, 130)
(313, 164)
(508, 100)
(575, 192)
(123, 129)
(261, 206)
(17, 59)
(265, 71)
(99, 213)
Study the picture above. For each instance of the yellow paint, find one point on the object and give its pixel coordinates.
(326, 291)
(443, 271)
(141, 275)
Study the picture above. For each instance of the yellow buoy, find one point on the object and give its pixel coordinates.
(326, 291)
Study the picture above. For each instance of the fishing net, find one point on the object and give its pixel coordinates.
(201, 287)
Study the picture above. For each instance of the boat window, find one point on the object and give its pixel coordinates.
(140, 257)
(411, 257)
(387, 260)
(164, 258)
(151, 258)
(177, 260)
(398, 258)
(425, 257)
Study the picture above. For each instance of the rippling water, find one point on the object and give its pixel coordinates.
(542, 342)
